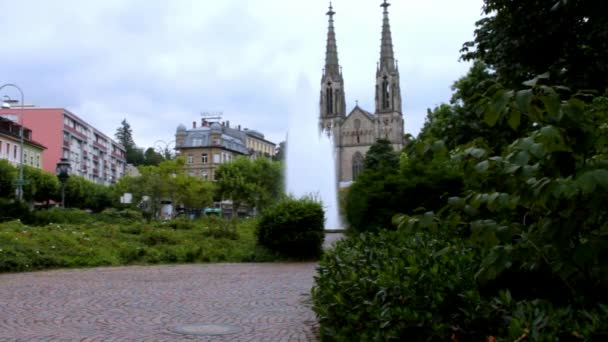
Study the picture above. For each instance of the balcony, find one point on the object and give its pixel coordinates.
(99, 146)
(95, 158)
(75, 132)
(66, 143)
(118, 155)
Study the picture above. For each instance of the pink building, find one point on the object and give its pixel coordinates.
(93, 155)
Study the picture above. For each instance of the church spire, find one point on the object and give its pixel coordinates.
(332, 100)
(388, 92)
(387, 58)
(332, 67)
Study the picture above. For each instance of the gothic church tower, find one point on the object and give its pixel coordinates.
(333, 106)
(354, 133)
(388, 89)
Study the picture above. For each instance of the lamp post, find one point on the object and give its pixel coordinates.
(63, 171)
(6, 104)
(163, 148)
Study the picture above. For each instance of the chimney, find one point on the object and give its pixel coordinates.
(193, 124)
(204, 123)
(239, 127)
(227, 123)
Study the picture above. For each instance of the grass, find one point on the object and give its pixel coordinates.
(97, 243)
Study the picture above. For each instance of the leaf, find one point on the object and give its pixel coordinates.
(442, 251)
(523, 98)
(482, 167)
(552, 105)
(491, 117)
(514, 119)
(522, 158)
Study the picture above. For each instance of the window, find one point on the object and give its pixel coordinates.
(216, 158)
(197, 142)
(15, 152)
(190, 159)
(204, 159)
(357, 165)
(204, 175)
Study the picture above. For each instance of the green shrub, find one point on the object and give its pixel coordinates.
(59, 215)
(421, 183)
(119, 216)
(220, 228)
(13, 210)
(182, 224)
(156, 236)
(391, 286)
(293, 227)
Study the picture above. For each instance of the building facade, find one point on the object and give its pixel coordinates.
(355, 132)
(10, 144)
(214, 143)
(92, 154)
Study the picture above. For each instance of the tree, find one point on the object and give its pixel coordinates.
(522, 39)
(256, 183)
(460, 121)
(281, 153)
(8, 175)
(167, 181)
(124, 135)
(152, 157)
(42, 186)
(380, 155)
(135, 156)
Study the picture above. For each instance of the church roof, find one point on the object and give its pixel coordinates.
(369, 115)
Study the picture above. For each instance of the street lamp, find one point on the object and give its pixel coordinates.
(6, 105)
(162, 147)
(63, 171)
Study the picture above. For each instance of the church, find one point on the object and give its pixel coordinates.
(355, 132)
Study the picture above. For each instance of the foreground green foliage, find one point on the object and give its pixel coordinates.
(422, 287)
(382, 287)
(385, 189)
(26, 247)
(293, 227)
(527, 132)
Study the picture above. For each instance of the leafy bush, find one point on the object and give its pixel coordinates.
(183, 224)
(25, 248)
(390, 286)
(156, 236)
(123, 216)
(219, 228)
(12, 210)
(424, 181)
(293, 227)
(59, 215)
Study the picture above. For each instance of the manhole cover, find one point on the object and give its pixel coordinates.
(205, 329)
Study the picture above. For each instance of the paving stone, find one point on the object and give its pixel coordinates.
(267, 302)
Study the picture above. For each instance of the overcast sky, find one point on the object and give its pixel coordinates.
(160, 63)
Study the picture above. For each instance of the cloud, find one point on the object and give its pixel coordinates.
(159, 63)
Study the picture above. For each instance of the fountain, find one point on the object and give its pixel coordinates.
(311, 167)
